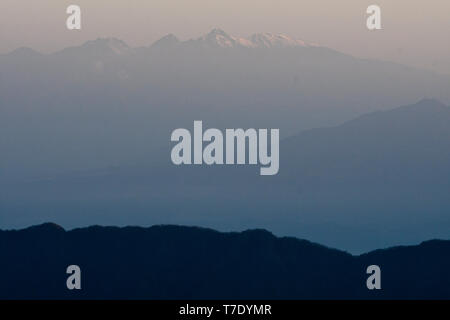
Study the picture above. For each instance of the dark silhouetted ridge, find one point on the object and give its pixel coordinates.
(46, 227)
(175, 262)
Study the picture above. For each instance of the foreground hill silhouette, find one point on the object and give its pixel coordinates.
(174, 262)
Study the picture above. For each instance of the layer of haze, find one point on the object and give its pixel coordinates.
(414, 32)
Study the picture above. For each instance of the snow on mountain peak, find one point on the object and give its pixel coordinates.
(219, 38)
(269, 40)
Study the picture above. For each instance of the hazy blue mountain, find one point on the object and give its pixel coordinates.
(174, 262)
(405, 147)
(375, 181)
(388, 172)
(104, 103)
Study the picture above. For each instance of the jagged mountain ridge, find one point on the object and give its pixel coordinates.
(215, 38)
(219, 38)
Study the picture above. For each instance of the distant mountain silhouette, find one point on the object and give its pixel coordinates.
(100, 48)
(407, 146)
(174, 262)
(264, 80)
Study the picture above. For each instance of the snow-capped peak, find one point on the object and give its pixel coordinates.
(269, 40)
(219, 38)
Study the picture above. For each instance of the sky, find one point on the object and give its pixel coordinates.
(414, 32)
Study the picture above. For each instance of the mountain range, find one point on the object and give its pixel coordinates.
(128, 100)
(219, 38)
(85, 139)
(174, 262)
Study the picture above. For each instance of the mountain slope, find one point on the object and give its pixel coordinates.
(404, 146)
(173, 262)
